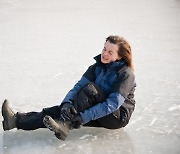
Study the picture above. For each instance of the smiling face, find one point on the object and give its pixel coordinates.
(109, 53)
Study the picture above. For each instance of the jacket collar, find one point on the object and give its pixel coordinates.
(116, 64)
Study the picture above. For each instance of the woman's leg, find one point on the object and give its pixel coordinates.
(34, 120)
(109, 122)
(93, 123)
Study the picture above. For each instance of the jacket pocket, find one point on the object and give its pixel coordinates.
(122, 115)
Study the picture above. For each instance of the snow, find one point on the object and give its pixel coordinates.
(45, 46)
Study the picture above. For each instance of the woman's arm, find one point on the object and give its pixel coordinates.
(88, 76)
(119, 92)
(112, 103)
(70, 95)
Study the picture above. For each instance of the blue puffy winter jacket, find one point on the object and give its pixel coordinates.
(116, 79)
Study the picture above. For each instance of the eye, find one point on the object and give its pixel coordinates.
(110, 52)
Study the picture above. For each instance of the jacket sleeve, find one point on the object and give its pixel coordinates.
(70, 95)
(112, 103)
(119, 91)
(124, 83)
(88, 76)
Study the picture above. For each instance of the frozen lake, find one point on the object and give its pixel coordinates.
(45, 46)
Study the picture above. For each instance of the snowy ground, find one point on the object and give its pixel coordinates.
(45, 46)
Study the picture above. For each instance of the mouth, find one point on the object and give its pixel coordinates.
(104, 58)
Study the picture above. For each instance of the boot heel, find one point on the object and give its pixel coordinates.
(60, 136)
(4, 128)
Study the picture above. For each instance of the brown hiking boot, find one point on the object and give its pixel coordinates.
(60, 128)
(9, 116)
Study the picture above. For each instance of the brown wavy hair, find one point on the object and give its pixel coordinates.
(124, 48)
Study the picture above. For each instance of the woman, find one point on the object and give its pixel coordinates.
(103, 97)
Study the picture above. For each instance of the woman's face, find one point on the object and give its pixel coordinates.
(109, 53)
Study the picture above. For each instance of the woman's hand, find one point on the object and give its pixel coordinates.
(67, 111)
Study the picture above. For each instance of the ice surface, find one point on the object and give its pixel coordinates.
(45, 46)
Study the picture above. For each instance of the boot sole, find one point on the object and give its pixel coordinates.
(5, 127)
(53, 126)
